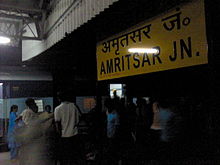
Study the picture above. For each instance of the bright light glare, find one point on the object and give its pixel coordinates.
(4, 40)
(143, 50)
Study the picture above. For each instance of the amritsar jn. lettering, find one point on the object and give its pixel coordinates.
(182, 49)
(130, 61)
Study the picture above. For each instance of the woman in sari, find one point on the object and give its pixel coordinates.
(12, 145)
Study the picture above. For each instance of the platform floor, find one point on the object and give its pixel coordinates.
(5, 159)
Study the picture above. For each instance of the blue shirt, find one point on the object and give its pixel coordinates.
(165, 116)
(11, 129)
(112, 123)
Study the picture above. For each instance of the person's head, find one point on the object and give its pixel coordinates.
(14, 108)
(109, 104)
(31, 104)
(47, 108)
(115, 92)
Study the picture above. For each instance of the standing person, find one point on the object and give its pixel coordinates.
(112, 130)
(12, 145)
(26, 134)
(47, 108)
(131, 118)
(30, 113)
(174, 130)
(66, 118)
(112, 119)
(141, 121)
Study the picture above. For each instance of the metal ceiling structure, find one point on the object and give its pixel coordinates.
(66, 16)
(40, 24)
(23, 19)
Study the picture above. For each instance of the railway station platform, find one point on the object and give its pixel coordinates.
(5, 160)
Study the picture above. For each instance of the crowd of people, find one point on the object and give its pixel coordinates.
(122, 132)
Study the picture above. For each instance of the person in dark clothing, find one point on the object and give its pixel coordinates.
(131, 113)
(127, 131)
(175, 129)
(144, 119)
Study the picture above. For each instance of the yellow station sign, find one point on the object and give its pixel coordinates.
(173, 40)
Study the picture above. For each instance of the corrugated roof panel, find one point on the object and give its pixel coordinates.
(69, 23)
(76, 17)
(67, 16)
(102, 6)
(92, 8)
(84, 11)
(60, 9)
(57, 34)
(80, 16)
(88, 9)
(106, 3)
(62, 29)
(72, 21)
(66, 27)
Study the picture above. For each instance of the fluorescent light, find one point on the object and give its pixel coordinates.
(143, 50)
(4, 40)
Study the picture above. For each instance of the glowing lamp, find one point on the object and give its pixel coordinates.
(4, 40)
(143, 50)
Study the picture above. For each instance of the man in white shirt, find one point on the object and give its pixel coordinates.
(67, 117)
(30, 113)
(28, 116)
(66, 113)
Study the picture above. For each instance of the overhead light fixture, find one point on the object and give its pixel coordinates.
(4, 40)
(143, 50)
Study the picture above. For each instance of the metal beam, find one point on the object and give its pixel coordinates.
(23, 37)
(31, 38)
(38, 28)
(9, 21)
(23, 10)
(13, 16)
